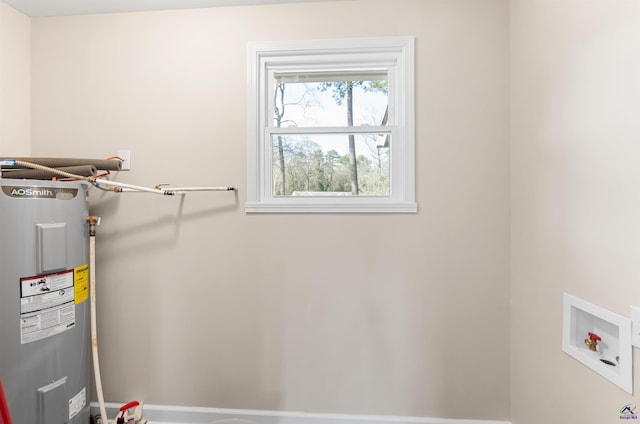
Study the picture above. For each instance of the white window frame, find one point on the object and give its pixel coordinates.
(392, 54)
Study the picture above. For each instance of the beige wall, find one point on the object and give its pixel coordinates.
(15, 95)
(203, 305)
(575, 204)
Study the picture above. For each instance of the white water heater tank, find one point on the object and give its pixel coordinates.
(44, 307)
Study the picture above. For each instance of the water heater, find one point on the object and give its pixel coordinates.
(44, 307)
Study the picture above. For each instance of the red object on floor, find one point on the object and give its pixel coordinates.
(5, 415)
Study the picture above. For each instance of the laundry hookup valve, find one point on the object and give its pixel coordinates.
(592, 341)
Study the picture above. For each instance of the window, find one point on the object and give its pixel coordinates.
(331, 126)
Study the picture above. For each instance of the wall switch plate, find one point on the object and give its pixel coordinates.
(125, 155)
(635, 326)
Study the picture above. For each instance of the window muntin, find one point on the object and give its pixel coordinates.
(387, 61)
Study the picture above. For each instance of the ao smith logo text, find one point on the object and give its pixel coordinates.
(32, 192)
(39, 192)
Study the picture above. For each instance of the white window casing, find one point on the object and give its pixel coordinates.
(393, 56)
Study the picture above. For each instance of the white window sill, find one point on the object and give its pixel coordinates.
(334, 207)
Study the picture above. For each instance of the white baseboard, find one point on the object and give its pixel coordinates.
(161, 414)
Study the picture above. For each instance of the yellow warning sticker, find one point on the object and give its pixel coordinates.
(81, 283)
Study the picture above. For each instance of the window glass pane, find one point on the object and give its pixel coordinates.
(324, 99)
(321, 165)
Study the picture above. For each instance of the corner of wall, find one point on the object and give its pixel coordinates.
(15, 82)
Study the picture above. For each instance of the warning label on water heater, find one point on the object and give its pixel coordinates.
(47, 306)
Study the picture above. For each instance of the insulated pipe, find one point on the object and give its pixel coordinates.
(46, 168)
(95, 181)
(105, 164)
(116, 186)
(92, 180)
(93, 221)
(40, 174)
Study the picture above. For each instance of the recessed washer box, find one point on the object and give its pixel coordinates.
(612, 358)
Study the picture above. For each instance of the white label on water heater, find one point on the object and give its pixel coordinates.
(77, 403)
(47, 306)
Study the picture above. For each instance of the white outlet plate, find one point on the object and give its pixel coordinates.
(635, 326)
(126, 159)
